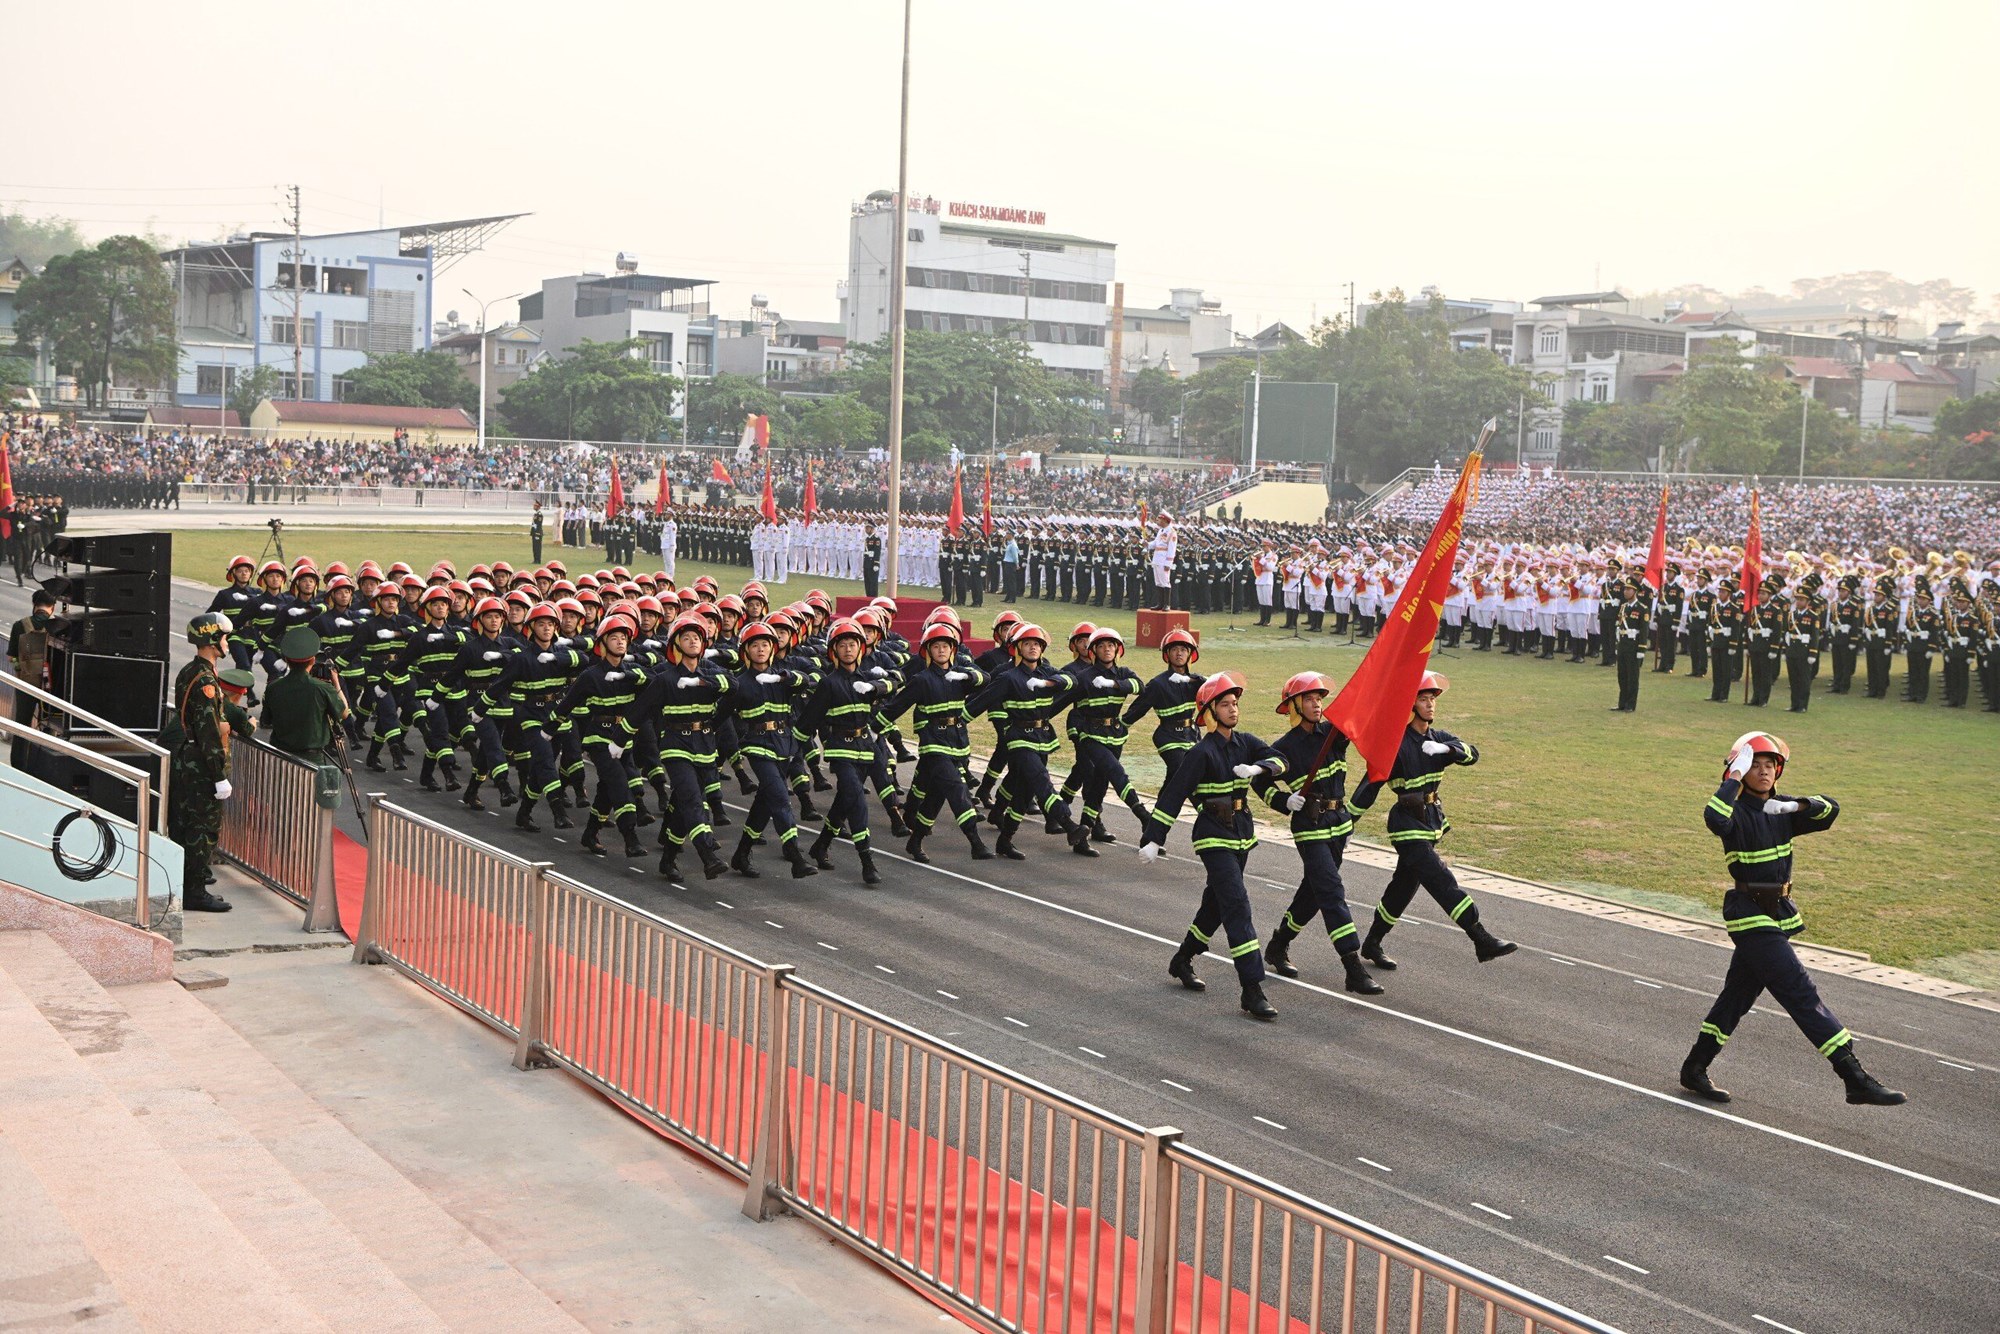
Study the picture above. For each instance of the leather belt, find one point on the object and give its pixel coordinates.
(1222, 810)
(767, 726)
(1413, 801)
(684, 727)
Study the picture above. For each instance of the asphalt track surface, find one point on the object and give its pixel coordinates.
(1521, 1116)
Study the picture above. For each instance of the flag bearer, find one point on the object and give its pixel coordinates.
(1757, 826)
(1417, 822)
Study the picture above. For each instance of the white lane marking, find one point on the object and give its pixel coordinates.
(1953, 1064)
(1628, 1264)
(823, 945)
(769, 922)
(720, 904)
(946, 994)
(1775, 1325)
(1172, 1085)
(1491, 1210)
(633, 870)
(1567, 963)
(881, 969)
(556, 839)
(1018, 1023)
(1088, 1052)
(1269, 1122)
(1644, 983)
(1380, 1167)
(1494, 1044)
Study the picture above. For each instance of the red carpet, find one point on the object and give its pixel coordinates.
(350, 881)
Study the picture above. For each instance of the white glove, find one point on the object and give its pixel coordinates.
(474, 715)
(431, 706)
(1436, 748)
(381, 692)
(863, 688)
(878, 671)
(1150, 852)
(955, 676)
(1739, 763)
(1773, 806)
(617, 751)
(1179, 678)
(614, 676)
(688, 683)
(1248, 770)
(280, 667)
(1102, 682)
(545, 658)
(222, 790)
(492, 655)
(385, 634)
(1040, 683)
(343, 622)
(1295, 802)
(769, 678)
(708, 653)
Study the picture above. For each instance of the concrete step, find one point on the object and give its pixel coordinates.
(326, 1265)
(173, 1256)
(463, 1282)
(48, 1277)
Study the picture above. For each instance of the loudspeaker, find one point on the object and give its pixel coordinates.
(119, 601)
(127, 692)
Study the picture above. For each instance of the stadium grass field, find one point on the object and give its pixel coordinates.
(1565, 791)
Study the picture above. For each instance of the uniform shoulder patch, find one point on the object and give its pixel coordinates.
(207, 690)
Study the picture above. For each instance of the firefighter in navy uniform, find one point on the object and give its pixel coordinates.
(1850, 618)
(1416, 823)
(841, 710)
(1099, 684)
(599, 703)
(1028, 691)
(760, 698)
(525, 697)
(1170, 697)
(1311, 791)
(1217, 774)
(1757, 826)
(1629, 622)
(936, 694)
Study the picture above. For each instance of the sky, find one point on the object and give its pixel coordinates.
(1268, 152)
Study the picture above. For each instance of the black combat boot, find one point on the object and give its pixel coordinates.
(820, 847)
(1863, 1089)
(505, 788)
(471, 800)
(670, 859)
(739, 861)
(808, 811)
(898, 827)
(717, 816)
(1254, 1003)
(559, 811)
(819, 780)
(1358, 980)
(450, 768)
(1005, 847)
(589, 843)
(1485, 944)
(801, 868)
(980, 852)
(1694, 1070)
(629, 827)
(744, 782)
(869, 875)
(375, 765)
(1278, 954)
(1099, 834)
(1079, 842)
(525, 817)
(1181, 967)
(427, 776)
(913, 848)
(1371, 947)
(712, 864)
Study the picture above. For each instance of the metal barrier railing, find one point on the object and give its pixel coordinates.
(1016, 1205)
(146, 810)
(116, 734)
(276, 827)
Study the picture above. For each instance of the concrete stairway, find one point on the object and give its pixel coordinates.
(157, 1173)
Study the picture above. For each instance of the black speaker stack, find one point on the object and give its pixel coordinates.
(120, 624)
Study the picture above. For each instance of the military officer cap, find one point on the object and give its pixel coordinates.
(300, 644)
(236, 680)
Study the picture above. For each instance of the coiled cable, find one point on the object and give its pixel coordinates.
(95, 866)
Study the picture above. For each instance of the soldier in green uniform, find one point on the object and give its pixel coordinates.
(301, 710)
(236, 686)
(1725, 639)
(1850, 617)
(1629, 623)
(200, 762)
(535, 534)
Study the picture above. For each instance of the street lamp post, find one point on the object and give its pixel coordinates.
(482, 359)
(897, 319)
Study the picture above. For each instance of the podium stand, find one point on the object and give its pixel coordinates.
(1154, 625)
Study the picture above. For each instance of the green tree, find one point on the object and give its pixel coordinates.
(719, 404)
(105, 313)
(1730, 403)
(600, 391)
(1617, 437)
(1968, 437)
(35, 240)
(16, 374)
(949, 385)
(431, 379)
(1213, 420)
(842, 422)
(252, 386)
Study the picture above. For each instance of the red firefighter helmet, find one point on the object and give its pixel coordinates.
(546, 611)
(1025, 631)
(759, 630)
(1105, 634)
(1173, 637)
(1215, 687)
(489, 604)
(614, 623)
(1084, 630)
(1302, 683)
(688, 620)
(940, 632)
(844, 628)
(1433, 683)
(1760, 743)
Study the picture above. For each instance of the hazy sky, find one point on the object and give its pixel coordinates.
(1268, 153)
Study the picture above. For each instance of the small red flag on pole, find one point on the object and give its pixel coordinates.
(6, 483)
(809, 502)
(718, 473)
(615, 504)
(665, 495)
(954, 522)
(1753, 556)
(986, 503)
(1373, 708)
(1656, 559)
(769, 507)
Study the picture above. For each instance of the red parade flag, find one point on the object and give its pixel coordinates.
(6, 484)
(769, 507)
(1373, 708)
(718, 473)
(761, 425)
(955, 521)
(1656, 559)
(986, 503)
(1753, 556)
(665, 495)
(615, 504)
(809, 502)
(1142, 516)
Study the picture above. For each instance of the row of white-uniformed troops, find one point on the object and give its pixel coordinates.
(834, 548)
